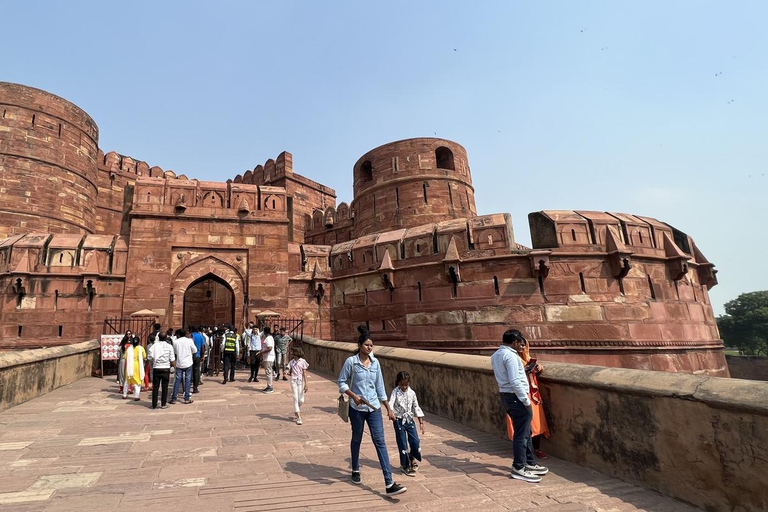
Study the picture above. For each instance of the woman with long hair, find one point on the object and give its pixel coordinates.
(124, 344)
(361, 380)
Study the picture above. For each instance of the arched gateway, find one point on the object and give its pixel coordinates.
(207, 291)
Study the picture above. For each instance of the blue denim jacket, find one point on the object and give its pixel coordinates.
(366, 382)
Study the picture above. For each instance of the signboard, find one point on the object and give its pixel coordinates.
(110, 348)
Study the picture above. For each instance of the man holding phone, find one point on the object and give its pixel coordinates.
(510, 375)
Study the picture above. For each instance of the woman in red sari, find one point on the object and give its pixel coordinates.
(539, 425)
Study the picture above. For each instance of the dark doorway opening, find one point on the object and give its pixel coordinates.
(209, 301)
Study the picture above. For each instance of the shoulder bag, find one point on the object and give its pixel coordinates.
(344, 401)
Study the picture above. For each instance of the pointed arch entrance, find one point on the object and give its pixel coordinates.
(196, 277)
(209, 301)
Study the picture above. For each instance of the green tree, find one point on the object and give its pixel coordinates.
(745, 323)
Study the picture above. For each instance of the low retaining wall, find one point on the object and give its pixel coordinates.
(703, 440)
(748, 367)
(27, 374)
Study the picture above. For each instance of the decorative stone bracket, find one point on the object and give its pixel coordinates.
(88, 285)
(318, 283)
(387, 270)
(677, 260)
(20, 284)
(452, 261)
(705, 270)
(618, 255)
(539, 263)
(181, 204)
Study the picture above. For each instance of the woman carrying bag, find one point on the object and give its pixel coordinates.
(361, 380)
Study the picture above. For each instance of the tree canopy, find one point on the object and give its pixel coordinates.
(745, 323)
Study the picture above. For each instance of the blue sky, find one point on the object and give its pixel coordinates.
(652, 108)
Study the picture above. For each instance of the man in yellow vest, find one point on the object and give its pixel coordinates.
(230, 349)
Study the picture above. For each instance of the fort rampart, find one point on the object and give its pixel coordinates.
(32, 373)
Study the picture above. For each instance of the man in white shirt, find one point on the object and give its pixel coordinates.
(185, 353)
(162, 357)
(252, 337)
(510, 375)
(268, 358)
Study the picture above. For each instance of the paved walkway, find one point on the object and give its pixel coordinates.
(83, 448)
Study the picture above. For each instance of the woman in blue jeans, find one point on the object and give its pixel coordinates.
(361, 380)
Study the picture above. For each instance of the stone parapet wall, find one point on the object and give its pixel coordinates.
(700, 439)
(27, 374)
(748, 367)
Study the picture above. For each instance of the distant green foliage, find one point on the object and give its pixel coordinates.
(745, 323)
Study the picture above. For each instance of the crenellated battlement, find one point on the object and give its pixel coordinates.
(114, 162)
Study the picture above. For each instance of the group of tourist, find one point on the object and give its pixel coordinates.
(515, 372)
(185, 355)
(188, 352)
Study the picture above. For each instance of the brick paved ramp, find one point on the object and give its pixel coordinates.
(83, 448)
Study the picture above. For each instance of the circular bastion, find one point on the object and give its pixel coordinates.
(410, 183)
(48, 167)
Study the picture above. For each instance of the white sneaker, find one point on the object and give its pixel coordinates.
(536, 469)
(526, 476)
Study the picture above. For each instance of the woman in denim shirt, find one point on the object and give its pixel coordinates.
(367, 395)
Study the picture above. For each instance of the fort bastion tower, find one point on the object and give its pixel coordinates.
(86, 235)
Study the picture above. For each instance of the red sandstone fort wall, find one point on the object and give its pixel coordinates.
(409, 257)
(59, 288)
(48, 150)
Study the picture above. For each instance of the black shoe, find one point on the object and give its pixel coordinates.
(224, 381)
(172, 402)
(395, 489)
(250, 379)
(195, 391)
(356, 478)
(231, 380)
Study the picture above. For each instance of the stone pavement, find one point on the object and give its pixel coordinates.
(83, 448)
